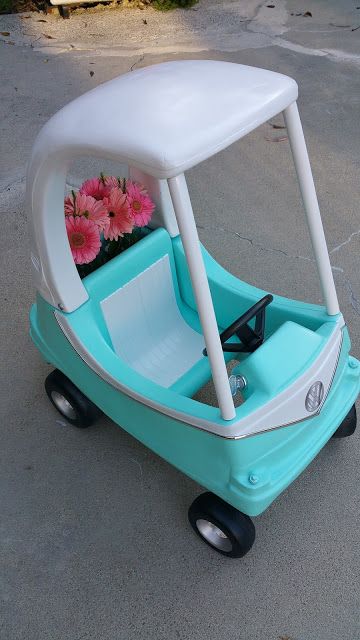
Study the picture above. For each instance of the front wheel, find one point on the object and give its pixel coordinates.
(221, 526)
(347, 426)
(73, 405)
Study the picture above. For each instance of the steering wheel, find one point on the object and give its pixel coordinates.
(250, 339)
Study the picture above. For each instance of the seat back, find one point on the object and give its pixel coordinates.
(141, 306)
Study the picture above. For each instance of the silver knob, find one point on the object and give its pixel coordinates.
(237, 383)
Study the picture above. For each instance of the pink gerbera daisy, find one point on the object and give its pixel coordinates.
(69, 204)
(141, 205)
(111, 181)
(96, 188)
(80, 204)
(119, 215)
(84, 238)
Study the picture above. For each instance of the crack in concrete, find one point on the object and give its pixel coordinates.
(257, 245)
(336, 55)
(141, 58)
(347, 241)
(355, 303)
(344, 281)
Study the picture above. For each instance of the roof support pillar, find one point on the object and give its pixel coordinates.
(190, 239)
(311, 205)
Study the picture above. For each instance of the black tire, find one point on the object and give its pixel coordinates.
(347, 426)
(70, 402)
(221, 526)
(64, 11)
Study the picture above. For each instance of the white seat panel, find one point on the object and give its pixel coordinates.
(147, 329)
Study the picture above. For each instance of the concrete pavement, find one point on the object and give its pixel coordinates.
(93, 529)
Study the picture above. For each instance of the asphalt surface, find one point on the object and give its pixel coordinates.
(94, 537)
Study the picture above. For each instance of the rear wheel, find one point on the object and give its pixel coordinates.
(221, 526)
(71, 403)
(347, 426)
(64, 11)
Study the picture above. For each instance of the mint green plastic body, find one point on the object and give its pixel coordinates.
(226, 467)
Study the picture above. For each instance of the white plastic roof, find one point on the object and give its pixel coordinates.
(167, 118)
(163, 120)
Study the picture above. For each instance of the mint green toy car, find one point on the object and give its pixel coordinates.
(137, 338)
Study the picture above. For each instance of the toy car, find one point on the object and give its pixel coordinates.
(137, 338)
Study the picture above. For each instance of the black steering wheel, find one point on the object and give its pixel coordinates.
(250, 339)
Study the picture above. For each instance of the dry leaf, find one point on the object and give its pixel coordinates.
(277, 126)
(91, 73)
(48, 37)
(5, 33)
(307, 14)
(41, 21)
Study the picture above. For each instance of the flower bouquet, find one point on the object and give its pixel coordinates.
(106, 216)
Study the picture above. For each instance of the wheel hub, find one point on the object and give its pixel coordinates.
(63, 405)
(215, 536)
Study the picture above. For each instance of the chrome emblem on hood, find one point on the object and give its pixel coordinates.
(314, 396)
